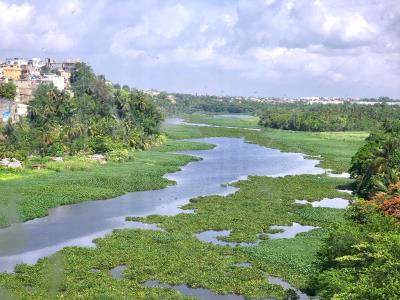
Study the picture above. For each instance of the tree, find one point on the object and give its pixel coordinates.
(99, 118)
(44, 70)
(377, 163)
(83, 80)
(8, 90)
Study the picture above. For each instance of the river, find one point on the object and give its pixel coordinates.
(77, 225)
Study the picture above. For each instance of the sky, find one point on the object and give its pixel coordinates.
(281, 48)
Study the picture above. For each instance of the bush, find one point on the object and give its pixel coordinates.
(102, 144)
(118, 155)
(360, 258)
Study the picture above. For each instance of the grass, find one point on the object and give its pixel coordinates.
(250, 122)
(334, 148)
(71, 164)
(32, 193)
(177, 257)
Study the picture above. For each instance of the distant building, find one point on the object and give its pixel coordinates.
(67, 77)
(17, 61)
(13, 72)
(36, 62)
(57, 80)
(21, 109)
(7, 109)
(67, 65)
(25, 90)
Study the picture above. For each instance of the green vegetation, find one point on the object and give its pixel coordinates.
(176, 256)
(250, 122)
(328, 117)
(179, 104)
(376, 165)
(353, 255)
(8, 90)
(360, 258)
(335, 148)
(79, 179)
(98, 119)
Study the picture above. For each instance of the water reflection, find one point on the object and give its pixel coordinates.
(327, 202)
(198, 293)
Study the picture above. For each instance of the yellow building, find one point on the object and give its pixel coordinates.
(12, 72)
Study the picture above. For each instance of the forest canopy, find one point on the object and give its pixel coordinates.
(98, 118)
(328, 117)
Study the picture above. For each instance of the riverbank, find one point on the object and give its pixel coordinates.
(241, 121)
(175, 255)
(333, 149)
(28, 194)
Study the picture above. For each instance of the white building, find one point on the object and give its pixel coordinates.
(17, 61)
(22, 109)
(58, 81)
(37, 62)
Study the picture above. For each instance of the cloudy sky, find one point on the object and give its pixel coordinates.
(235, 47)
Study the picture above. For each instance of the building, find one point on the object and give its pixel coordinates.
(13, 72)
(7, 110)
(57, 80)
(17, 61)
(25, 90)
(21, 109)
(67, 77)
(67, 65)
(36, 62)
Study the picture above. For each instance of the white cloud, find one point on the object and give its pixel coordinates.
(271, 42)
(14, 14)
(156, 30)
(21, 26)
(70, 7)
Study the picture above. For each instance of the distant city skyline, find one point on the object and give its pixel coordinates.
(276, 48)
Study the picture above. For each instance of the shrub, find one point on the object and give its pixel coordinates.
(118, 155)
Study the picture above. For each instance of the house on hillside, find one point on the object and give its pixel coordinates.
(7, 109)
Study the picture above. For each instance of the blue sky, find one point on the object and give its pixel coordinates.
(235, 47)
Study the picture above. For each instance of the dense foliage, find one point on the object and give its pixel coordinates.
(8, 90)
(176, 104)
(360, 258)
(328, 117)
(376, 165)
(99, 118)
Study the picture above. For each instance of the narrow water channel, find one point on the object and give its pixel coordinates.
(77, 225)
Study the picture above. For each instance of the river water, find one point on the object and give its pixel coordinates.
(77, 225)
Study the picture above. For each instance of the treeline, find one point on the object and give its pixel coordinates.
(177, 104)
(98, 118)
(361, 258)
(328, 117)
